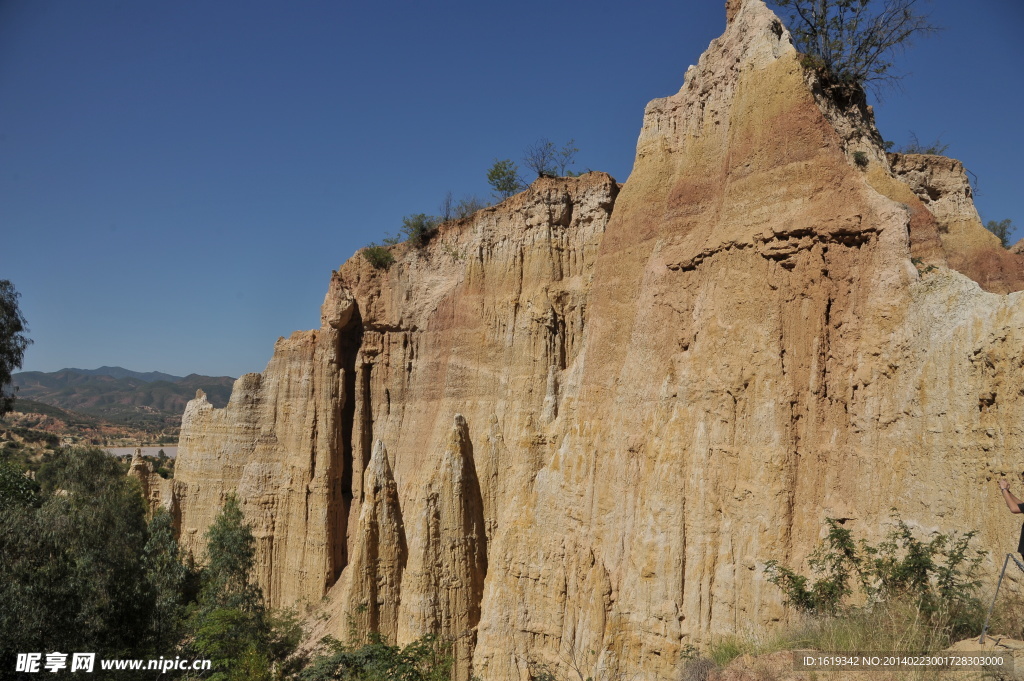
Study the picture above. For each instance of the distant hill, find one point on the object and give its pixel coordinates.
(34, 429)
(121, 372)
(26, 406)
(121, 395)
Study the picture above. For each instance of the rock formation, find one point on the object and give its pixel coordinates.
(941, 184)
(275, 445)
(372, 581)
(448, 561)
(654, 390)
(157, 490)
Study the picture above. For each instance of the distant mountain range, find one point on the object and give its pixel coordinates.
(120, 395)
(121, 372)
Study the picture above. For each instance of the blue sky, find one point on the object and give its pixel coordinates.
(178, 179)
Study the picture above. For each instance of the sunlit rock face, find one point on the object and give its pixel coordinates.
(571, 429)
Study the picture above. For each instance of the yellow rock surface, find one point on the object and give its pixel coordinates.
(601, 411)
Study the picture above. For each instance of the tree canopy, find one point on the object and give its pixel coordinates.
(72, 574)
(13, 342)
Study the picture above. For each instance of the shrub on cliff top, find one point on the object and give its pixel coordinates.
(379, 256)
(916, 146)
(545, 159)
(1002, 229)
(852, 41)
(469, 205)
(419, 228)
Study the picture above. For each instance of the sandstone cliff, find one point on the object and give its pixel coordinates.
(574, 426)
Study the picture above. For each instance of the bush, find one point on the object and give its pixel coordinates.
(1008, 613)
(896, 626)
(418, 229)
(937, 577)
(72, 562)
(16, 489)
(82, 570)
(425, 659)
(379, 256)
(727, 649)
(861, 159)
(850, 41)
(917, 596)
(1002, 229)
(915, 146)
(467, 206)
(698, 669)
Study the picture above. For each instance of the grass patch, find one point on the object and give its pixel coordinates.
(1008, 613)
(897, 626)
(725, 650)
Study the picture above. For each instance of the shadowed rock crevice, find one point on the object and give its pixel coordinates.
(348, 350)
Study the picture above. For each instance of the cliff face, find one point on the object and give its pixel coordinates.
(276, 447)
(573, 427)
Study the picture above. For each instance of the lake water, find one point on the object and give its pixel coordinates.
(146, 451)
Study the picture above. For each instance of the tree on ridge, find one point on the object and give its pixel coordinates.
(852, 41)
(13, 342)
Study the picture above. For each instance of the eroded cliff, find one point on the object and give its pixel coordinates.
(575, 425)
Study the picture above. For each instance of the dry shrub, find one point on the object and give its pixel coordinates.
(896, 626)
(698, 669)
(1008, 613)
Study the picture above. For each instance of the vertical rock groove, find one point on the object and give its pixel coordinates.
(349, 344)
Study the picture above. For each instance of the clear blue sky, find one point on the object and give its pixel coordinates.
(178, 179)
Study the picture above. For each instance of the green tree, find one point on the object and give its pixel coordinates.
(72, 570)
(13, 342)
(1002, 229)
(231, 550)
(852, 41)
(172, 582)
(503, 177)
(230, 624)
